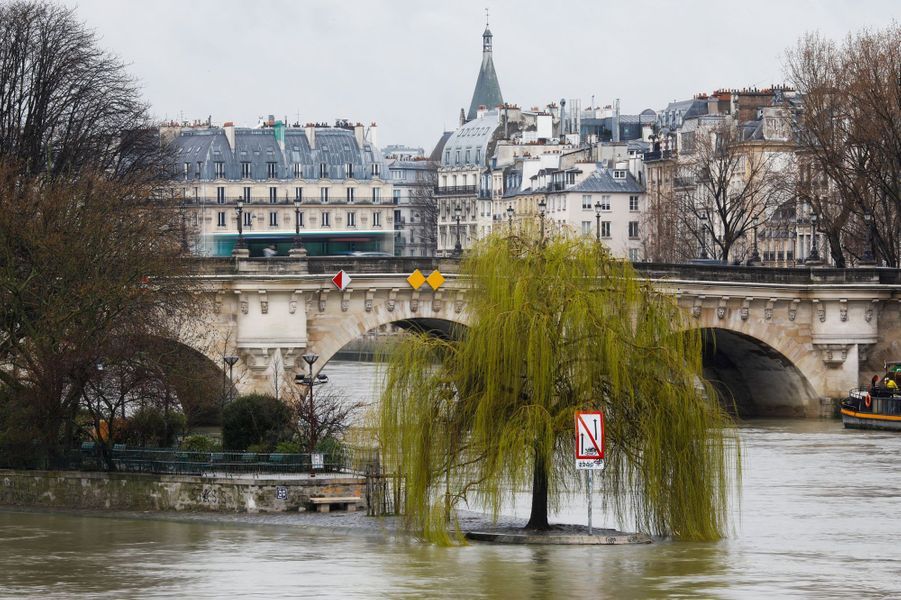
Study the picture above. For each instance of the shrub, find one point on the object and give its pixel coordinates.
(149, 426)
(288, 448)
(255, 419)
(200, 443)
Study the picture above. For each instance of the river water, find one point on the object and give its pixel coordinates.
(819, 517)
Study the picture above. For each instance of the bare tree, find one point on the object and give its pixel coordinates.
(850, 135)
(327, 416)
(422, 197)
(726, 185)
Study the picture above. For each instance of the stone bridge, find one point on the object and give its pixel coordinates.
(779, 342)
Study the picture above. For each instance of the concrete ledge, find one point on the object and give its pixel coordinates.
(572, 535)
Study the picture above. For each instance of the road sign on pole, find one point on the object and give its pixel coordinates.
(590, 440)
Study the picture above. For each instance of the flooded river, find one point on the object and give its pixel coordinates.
(820, 517)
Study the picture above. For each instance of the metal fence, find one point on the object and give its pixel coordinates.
(174, 461)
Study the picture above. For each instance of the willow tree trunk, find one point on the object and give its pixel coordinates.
(538, 517)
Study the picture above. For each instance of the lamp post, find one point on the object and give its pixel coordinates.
(458, 248)
(240, 210)
(814, 256)
(703, 220)
(542, 207)
(869, 256)
(510, 217)
(311, 381)
(597, 217)
(755, 255)
(230, 360)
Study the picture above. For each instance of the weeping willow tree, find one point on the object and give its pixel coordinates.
(557, 326)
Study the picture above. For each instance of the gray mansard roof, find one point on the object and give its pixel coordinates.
(461, 147)
(335, 147)
(602, 181)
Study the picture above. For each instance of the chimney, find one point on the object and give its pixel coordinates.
(374, 135)
(310, 130)
(462, 117)
(229, 128)
(359, 134)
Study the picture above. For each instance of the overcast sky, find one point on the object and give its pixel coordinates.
(410, 65)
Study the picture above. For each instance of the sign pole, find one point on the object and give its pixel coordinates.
(590, 477)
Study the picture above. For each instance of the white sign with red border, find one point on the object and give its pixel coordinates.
(590, 440)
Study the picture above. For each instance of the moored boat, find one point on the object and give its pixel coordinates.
(877, 407)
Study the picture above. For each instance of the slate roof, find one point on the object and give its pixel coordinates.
(334, 147)
(487, 92)
(602, 181)
(471, 136)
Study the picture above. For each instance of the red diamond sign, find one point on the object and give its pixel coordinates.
(341, 280)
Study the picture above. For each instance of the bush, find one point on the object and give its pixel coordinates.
(288, 448)
(148, 427)
(200, 443)
(255, 419)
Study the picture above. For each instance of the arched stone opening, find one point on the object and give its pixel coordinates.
(753, 378)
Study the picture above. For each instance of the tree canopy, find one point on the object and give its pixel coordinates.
(556, 326)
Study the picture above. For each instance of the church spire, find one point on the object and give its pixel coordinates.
(488, 91)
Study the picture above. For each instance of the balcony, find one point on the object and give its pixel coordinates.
(659, 155)
(456, 190)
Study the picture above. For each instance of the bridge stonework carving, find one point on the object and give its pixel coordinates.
(781, 342)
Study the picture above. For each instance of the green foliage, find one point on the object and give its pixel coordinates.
(200, 443)
(255, 419)
(152, 426)
(287, 448)
(557, 327)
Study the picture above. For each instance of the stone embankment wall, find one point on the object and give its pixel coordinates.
(138, 491)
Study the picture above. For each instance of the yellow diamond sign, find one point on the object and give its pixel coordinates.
(436, 279)
(416, 279)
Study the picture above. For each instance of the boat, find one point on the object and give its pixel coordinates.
(876, 407)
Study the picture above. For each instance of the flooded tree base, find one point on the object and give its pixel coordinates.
(572, 535)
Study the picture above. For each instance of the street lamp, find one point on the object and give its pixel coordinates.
(542, 206)
(814, 256)
(869, 257)
(597, 216)
(297, 243)
(240, 210)
(703, 220)
(311, 381)
(458, 248)
(230, 360)
(755, 255)
(510, 217)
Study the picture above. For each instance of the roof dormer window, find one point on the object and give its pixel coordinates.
(619, 174)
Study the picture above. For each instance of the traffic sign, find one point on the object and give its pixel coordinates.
(416, 279)
(341, 280)
(436, 279)
(590, 440)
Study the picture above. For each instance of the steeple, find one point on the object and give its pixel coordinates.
(488, 90)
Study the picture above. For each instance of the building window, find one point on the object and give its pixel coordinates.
(220, 169)
(633, 229)
(458, 157)
(633, 203)
(323, 171)
(273, 219)
(350, 170)
(447, 156)
(634, 254)
(187, 169)
(296, 170)
(323, 194)
(220, 218)
(245, 170)
(325, 219)
(586, 227)
(247, 194)
(605, 229)
(248, 219)
(478, 155)
(377, 219)
(298, 193)
(396, 198)
(397, 175)
(605, 202)
(619, 174)
(376, 195)
(467, 156)
(350, 195)
(273, 195)
(586, 202)
(351, 219)
(271, 170)
(220, 195)
(376, 169)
